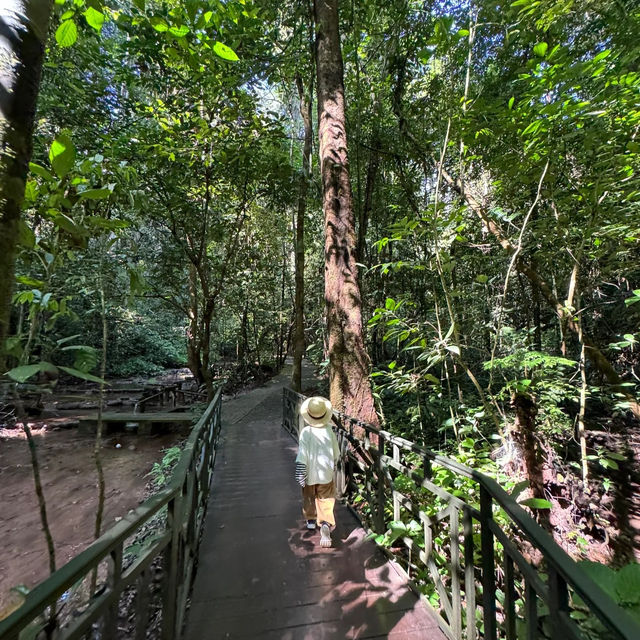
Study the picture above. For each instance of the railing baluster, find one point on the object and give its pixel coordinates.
(142, 605)
(394, 494)
(171, 568)
(488, 563)
(531, 611)
(558, 603)
(456, 603)
(426, 468)
(380, 524)
(469, 575)
(110, 620)
(509, 598)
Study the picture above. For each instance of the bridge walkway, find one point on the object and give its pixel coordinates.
(261, 574)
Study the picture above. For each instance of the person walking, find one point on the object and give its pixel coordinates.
(318, 452)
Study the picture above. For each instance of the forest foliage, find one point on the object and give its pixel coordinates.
(494, 159)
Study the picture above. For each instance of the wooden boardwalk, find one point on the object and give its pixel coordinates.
(261, 574)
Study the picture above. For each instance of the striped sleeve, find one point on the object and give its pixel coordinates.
(301, 474)
(335, 446)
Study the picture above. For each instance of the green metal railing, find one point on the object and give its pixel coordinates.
(470, 546)
(149, 554)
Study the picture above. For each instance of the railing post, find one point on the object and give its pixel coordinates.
(170, 596)
(394, 494)
(488, 566)
(509, 598)
(558, 602)
(469, 575)
(380, 524)
(142, 604)
(531, 611)
(456, 599)
(110, 621)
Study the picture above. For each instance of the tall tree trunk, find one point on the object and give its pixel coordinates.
(24, 25)
(524, 430)
(365, 212)
(303, 188)
(204, 342)
(97, 447)
(349, 364)
(193, 352)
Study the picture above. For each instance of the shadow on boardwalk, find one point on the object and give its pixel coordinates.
(261, 574)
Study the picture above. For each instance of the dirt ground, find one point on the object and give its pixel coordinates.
(70, 486)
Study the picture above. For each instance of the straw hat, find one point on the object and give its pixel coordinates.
(316, 411)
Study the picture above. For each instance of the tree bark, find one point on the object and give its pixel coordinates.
(303, 188)
(350, 389)
(524, 434)
(23, 25)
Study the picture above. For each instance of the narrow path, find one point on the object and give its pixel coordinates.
(262, 575)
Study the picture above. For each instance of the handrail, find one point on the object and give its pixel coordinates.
(522, 585)
(185, 499)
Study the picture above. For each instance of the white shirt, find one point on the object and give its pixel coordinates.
(318, 450)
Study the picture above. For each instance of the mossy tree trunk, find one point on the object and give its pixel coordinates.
(23, 25)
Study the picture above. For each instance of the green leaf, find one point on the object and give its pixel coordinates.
(62, 154)
(628, 584)
(26, 237)
(67, 33)
(536, 503)
(602, 575)
(30, 282)
(105, 223)
(511, 101)
(482, 279)
(602, 55)
(179, 32)
(95, 194)
(65, 222)
(83, 375)
(86, 357)
(23, 373)
(519, 488)
(532, 127)
(94, 18)
(40, 171)
(226, 53)
(541, 49)
(159, 24)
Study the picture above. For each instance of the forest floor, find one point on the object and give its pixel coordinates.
(70, 486)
